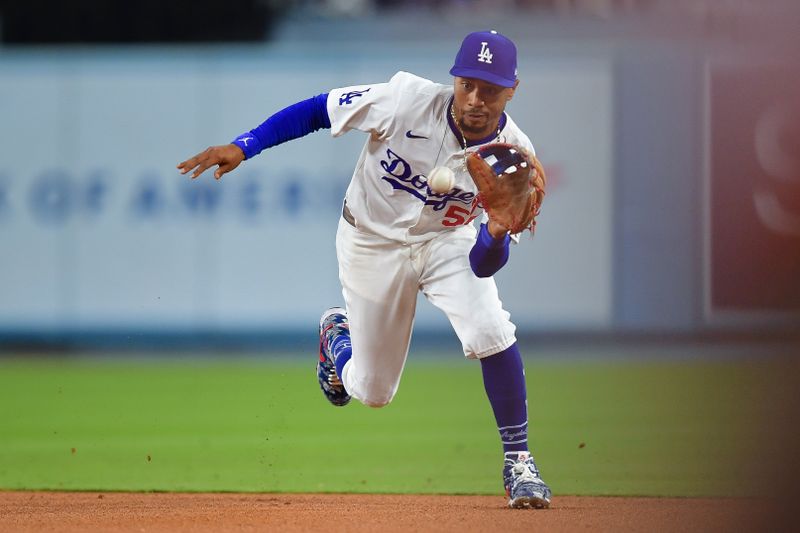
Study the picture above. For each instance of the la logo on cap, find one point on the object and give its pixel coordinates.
(485, 55)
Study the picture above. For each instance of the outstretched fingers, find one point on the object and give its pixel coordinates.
(227, 157)
(223, 168)
(199, 163)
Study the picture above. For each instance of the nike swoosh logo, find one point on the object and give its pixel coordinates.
(412, 136)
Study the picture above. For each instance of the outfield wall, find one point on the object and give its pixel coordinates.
(108, 234)
(100, 232)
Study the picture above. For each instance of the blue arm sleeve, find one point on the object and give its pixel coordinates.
(293, 122)
(488, 255)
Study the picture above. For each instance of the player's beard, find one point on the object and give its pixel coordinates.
(474, 130)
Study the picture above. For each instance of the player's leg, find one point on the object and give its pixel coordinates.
(471, 303)
(380, 287)
(486, 333)
(504, 381)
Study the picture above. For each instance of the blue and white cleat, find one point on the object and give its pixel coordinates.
(333, 323)
(524, 487)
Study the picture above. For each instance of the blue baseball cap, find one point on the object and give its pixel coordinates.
(487, 56)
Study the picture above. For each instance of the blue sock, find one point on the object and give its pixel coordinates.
(342, 351)
(504, 381)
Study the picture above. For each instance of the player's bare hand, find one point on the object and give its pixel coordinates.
(226, 156)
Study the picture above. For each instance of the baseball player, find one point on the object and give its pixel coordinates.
(397, 236)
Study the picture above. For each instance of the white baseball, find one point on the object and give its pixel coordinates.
(441, 180)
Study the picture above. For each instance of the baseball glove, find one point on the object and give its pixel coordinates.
(511, 183)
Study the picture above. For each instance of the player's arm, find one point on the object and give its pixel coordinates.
(490, 251)
(290, 123)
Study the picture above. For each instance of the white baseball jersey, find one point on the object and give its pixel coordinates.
(411, 133)
(407, 238)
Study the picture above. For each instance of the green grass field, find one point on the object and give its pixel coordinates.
(260, 424)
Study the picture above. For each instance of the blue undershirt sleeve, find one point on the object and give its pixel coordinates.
(290, 123)
(488, 255)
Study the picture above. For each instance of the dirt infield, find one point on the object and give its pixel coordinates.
(170, 512)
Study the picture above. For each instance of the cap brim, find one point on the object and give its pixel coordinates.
(482, 75)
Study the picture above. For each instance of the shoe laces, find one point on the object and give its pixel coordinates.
(332, 330)
(523, 471)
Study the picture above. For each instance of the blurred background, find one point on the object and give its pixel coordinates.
(667, 251)
(669, 131)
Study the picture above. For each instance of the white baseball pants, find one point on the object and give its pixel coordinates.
(380, 279)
